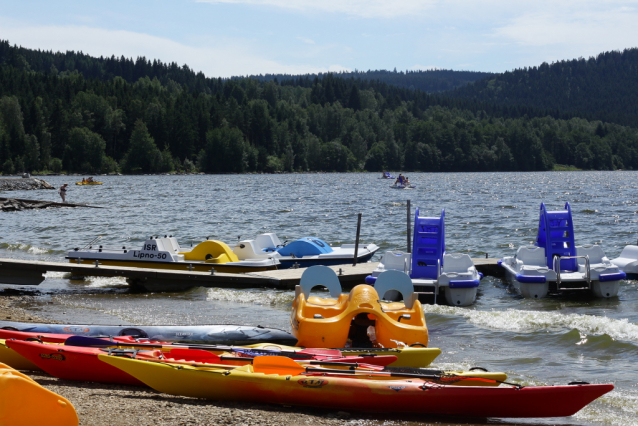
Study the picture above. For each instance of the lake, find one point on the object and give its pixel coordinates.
(537, 342)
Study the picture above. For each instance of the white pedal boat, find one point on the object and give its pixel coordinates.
(400, 186)
(555, 265)
(436, 276)
(628, 261)
(304, 252)
(166, 253)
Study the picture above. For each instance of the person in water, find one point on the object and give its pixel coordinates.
(399, 180)
(62, 192)
(362, 332)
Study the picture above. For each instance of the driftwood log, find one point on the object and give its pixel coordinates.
(14, 204)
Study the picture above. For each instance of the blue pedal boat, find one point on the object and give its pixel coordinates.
(555, 265)
(437, 276)
(304, 252)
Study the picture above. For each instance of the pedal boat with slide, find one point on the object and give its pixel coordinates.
(437, 277)
(555, 265)
(280, 380)
(348, 319)
(166, 253)
(304, 252)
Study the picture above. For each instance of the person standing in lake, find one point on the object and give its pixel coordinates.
(62, 192)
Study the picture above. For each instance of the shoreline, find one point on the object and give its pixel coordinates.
(100, 404)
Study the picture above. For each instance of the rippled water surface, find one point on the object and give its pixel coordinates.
(549, 341)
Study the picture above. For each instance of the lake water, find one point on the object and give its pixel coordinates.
(548, 341)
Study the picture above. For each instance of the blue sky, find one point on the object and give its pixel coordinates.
(223, 38)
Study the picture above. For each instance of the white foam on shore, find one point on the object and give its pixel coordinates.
(269, 297)
(528, 321)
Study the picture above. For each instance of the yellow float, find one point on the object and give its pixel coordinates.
(357, 319)
(23, 402)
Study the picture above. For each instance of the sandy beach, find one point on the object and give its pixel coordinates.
(100, 404)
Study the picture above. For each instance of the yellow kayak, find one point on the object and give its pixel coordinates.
(415, 357)
(88, 183)
(278, 380)
(13, 359)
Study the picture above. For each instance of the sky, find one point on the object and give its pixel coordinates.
(224, 38)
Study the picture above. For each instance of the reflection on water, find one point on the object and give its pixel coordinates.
(548, 341)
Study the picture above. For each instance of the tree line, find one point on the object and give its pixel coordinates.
(84, 119)
(604, 87)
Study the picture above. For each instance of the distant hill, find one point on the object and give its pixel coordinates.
(430, 81)
(70, 111)
(107, 68)
(604, 87)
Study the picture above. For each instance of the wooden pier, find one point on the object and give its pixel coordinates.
(28, 272)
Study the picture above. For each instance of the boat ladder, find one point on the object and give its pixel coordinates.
(435, 287)
(557, 270)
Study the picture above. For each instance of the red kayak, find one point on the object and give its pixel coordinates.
(54, 337)
(81, 363)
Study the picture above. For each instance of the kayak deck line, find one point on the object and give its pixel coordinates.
(30, 272)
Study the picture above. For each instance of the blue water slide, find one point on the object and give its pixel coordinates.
(556, 236)
(307, 246)
(428, 246)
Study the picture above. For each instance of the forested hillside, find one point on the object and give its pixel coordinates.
(430, 81)
(76, 113)
(601, 88)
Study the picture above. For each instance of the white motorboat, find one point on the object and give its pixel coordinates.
(166, 253)
(436, 276)
(305, 252)
(555, 265)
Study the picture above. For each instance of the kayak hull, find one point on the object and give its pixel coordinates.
(14, 360)
(71, 363)
(370, 395)
(210, 334)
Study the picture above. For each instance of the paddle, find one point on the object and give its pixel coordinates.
(287, 367)
(195, 357)
(101, 343)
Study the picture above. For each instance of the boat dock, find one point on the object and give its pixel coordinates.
(29, 272)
